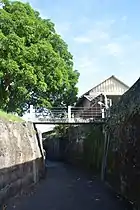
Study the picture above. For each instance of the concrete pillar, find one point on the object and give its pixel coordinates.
(105, 153)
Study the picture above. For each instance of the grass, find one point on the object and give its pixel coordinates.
(10, 117)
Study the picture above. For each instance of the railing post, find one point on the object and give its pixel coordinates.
(110, 102)
(103, 113)
(31, 109)
(32, 113)
(69, 113)
(106, 102)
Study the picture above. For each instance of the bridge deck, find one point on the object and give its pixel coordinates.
(68, 123)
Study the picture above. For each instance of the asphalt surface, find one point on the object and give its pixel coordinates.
(66, 188)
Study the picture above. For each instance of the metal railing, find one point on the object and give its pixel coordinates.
(68, 115)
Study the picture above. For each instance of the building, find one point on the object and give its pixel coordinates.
(99, 97)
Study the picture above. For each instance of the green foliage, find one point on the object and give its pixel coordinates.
(61, 130)
(10, 117)
(35, 64)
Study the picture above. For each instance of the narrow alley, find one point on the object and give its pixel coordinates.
(66, 188)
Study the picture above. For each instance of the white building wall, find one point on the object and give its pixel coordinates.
(110, 87)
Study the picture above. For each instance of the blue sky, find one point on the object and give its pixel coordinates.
(102, 35)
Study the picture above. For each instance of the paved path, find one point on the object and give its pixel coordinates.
(66, 188)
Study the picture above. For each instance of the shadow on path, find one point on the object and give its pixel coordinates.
(66, 188)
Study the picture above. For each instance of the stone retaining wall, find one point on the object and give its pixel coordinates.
(21, 161)
(123, 160)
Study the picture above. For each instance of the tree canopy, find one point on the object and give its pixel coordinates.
(35, 64)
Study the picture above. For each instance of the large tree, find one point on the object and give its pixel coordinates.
(35, 64)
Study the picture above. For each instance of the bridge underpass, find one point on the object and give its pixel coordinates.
(67, 187)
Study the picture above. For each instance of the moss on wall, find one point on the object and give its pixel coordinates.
(85, 146)
(93, 148)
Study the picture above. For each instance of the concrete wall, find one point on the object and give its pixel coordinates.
(84, 147)
(21, 160)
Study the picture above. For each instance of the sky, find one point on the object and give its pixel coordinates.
(102, 35)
